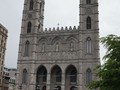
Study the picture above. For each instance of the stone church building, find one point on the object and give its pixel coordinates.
(57, 59)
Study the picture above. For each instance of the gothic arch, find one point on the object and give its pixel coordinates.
(41, 77)
(88, 76)
(56, 39)
(24, 76)
(39, 68)
(72, 41)
(56, 76)
(42, 44)
(27, 48)
(88, 45)
(42, 39)
(71, 65)
(70, 76)
(54, 67)
(31, 5)
(71, 38)
(29, 27)
(27, 41)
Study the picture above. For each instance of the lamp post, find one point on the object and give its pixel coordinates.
(37, 87)
(3, 83)
(56, 88)
(20, 87)
(75, 88)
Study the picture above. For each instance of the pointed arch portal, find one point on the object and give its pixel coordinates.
(41, 78)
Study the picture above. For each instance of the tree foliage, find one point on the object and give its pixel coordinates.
(109, 72)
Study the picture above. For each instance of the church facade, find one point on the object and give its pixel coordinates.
(57, 59)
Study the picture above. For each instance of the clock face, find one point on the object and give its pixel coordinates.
(88, 11)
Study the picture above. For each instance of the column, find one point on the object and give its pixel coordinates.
(63, 82)
(32, 77)
(80, 77)
(48, 81)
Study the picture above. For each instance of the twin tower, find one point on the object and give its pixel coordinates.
(57, 59)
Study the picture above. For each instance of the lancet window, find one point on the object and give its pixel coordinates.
(24, 76)
(31, 5)
(88, 23)
(29, 26)
(88, 76)
(27, 48)
(88, 45)
(88, 1)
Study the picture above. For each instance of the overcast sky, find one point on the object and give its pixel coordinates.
(64, 12)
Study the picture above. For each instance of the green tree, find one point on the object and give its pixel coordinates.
(109, 72)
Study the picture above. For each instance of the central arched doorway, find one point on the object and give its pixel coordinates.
(41, 78)
(56, 75)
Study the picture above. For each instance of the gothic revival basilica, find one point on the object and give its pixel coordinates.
(57, 59)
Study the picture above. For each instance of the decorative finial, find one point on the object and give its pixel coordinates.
(58, 24)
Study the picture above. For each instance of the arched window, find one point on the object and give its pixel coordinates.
(56, 77)
(71, 74)
(88, 76)
(88, 22)
(29, 26)
(24, 76)
(27, 48)
(41, 75)
(88, 1)
(56, 74)
(70, 77)
(88, 45)
(41, 78)
(31, 5)
(40, 8)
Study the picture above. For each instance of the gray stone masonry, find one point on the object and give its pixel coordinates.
(57, 58)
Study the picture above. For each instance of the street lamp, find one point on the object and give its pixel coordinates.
(56, 88)
(20, 87)
(37, 87)
(75, 87)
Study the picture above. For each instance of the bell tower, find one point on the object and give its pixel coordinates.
(89, 28)
(33, 15)
(89, 14)
(89, 33)
(32, 24)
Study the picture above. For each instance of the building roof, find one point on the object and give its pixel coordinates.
(1, 26)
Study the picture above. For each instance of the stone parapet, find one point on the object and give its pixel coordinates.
(60, 29)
